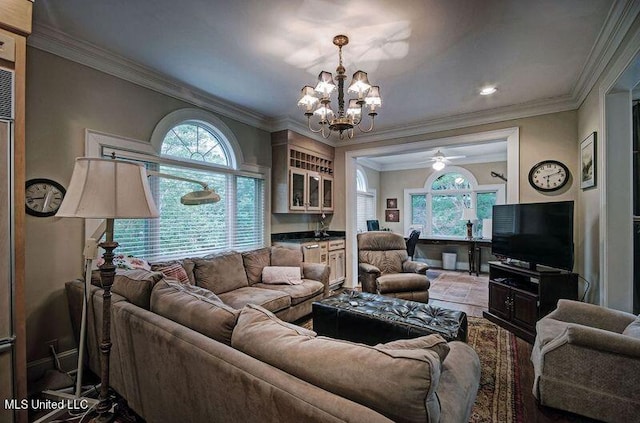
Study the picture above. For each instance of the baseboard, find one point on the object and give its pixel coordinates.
(68, 362)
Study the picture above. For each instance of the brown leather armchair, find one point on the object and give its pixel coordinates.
(384, 267)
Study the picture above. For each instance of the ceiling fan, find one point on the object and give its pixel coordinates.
(439, 160)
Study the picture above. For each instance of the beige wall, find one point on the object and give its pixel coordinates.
(64, 99)
(550, 136)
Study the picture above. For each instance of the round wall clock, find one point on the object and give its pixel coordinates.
(43, 197)
(549, 175)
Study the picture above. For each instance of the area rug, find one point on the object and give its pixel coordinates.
(460, 288)
(499, 396)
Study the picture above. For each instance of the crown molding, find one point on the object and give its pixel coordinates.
(53, 41)
(367, 162)
(445, 123)
(621, 16)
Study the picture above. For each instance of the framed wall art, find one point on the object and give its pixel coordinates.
(392, 203)
(392, 215)
(588, 162)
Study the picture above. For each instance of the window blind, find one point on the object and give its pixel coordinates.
(366, 209)
(235, 222)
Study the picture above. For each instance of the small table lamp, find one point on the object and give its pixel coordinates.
(107, 189)
(469, 214)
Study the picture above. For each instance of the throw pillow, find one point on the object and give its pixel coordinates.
(281, 275)
(398, 383)
(174, 271)
(126, 262)
(633, 329)
(434, 343)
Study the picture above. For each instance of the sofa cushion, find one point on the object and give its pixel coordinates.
(282, 275)
(402, 282)
(398, 383)
(172, 271)
(434, 343)
(633, 329)
(195, 308)
(271, 299)
(134, 285)
(220, 273)
(254, 261)
(286, 256)
(298, 293)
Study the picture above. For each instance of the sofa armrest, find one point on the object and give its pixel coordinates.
(591, 315)
(368, 268)
(415, 267)
(317, 272)
(367, 275)
(602, 340)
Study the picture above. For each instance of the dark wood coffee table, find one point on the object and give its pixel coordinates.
(372, 319)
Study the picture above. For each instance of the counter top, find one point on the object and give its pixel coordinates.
(307, 236)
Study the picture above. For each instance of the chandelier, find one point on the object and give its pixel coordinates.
(317, 101)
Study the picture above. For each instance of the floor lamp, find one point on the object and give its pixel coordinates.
(107, 189)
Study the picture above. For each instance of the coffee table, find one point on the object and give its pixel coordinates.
(372, 319)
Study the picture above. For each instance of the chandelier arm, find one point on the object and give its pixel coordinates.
(327, 135)
(370, 127)
(315, 131)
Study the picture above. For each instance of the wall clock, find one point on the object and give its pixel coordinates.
(549, 175)
(43, 197)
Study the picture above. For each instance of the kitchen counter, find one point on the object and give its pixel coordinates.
(304, 237)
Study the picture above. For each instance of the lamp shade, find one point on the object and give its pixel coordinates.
(469, 214)
(108, 188)
(360, 82)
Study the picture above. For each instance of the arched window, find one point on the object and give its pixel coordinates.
(195, 145)
(437, 208)
(194, 140)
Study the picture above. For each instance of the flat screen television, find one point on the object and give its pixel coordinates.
(537, 233)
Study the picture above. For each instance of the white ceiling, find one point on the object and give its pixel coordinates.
(430, 57)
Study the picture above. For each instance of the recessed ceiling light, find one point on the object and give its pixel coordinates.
(488, 90)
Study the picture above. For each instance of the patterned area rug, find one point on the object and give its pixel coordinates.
(461, 288)
(499, 396)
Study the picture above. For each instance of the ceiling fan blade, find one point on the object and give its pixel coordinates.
(454, 157)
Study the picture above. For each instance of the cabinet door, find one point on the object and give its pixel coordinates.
(341, 266)
(313, 191)
(499, 300)
(327, 193)
(297, 189)
(333, 266)
(525, 309)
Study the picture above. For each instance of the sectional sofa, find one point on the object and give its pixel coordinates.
(181, 352)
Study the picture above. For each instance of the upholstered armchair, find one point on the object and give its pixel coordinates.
(586, 360)
(384, 267)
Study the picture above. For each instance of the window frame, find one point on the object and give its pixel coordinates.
(428, 192)
(99, 144)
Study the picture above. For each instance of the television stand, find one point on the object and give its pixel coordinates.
(519, 297)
